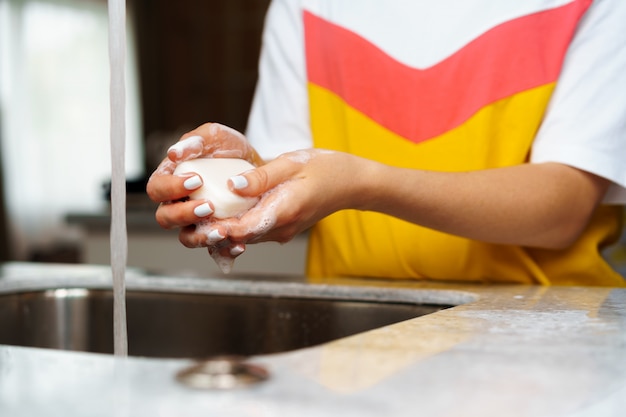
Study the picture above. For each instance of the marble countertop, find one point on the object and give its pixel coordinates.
(504, 351)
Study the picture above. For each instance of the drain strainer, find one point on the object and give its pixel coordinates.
(222, 373)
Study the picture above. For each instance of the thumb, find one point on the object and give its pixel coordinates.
(257, 181)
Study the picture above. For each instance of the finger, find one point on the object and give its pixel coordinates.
(258, 181)
(210, 139)
(155, 185)
(224, 257)
(163, 187)
(203, 234)
(179, 214)
(236, 249)
(228, 249)
(258, 223)
(189, 147)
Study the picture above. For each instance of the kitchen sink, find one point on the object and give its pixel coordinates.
(183, 324)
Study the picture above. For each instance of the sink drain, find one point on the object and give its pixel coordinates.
(222, 373)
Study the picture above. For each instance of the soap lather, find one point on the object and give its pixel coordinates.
(215, 173)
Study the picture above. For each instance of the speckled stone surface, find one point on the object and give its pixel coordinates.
(504, 351)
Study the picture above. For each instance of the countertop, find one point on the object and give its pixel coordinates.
(504, 351)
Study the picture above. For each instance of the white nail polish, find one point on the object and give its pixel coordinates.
(193, 182)
(239, 182)
(203, 210)
(237, 250)
(192, 143)
(215, 236)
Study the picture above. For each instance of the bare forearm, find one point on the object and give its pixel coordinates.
(543, 205)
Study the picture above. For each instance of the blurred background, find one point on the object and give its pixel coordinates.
(189, 62)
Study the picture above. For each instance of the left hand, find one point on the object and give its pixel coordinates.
(297, 189)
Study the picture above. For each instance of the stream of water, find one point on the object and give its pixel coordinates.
(119, 238)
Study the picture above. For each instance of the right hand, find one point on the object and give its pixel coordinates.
(296, 190)
(171, 191)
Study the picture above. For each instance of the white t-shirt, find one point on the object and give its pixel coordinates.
(585, 123)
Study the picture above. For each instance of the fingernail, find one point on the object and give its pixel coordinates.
(215, 235)
(192, 183)
(239, 182)
(193, 143)
(203, 210)
(237, 250)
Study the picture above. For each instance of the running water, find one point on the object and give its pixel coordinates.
(119, 239)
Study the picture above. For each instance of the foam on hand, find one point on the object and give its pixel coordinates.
(215, 173)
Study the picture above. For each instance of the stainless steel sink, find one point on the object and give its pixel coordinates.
(166, 324)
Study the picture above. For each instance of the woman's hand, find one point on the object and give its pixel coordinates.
(297, 189)
(213, 140)
(209, 140)
(172, 191)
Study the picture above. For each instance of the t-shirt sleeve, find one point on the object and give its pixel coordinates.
(585, 125)
(279, 117)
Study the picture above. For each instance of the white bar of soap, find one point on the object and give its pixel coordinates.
(215, 173)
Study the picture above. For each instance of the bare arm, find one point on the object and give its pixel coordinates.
(543, 205)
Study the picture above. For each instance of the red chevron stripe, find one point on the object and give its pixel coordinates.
(419, 104)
